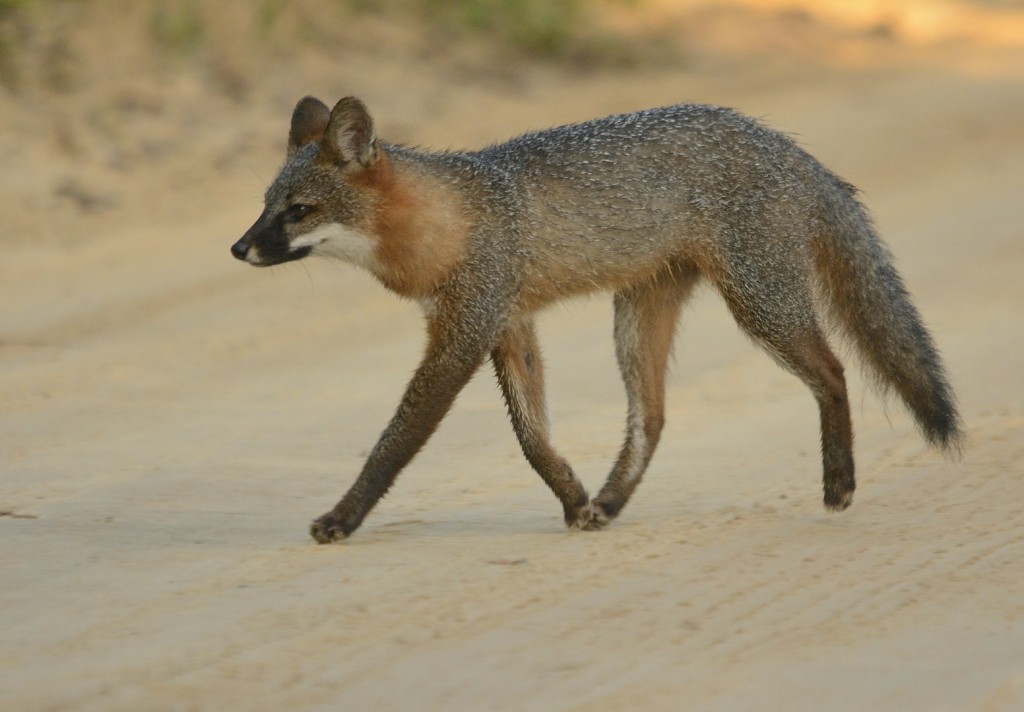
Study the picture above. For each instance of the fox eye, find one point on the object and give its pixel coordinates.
(297, 212)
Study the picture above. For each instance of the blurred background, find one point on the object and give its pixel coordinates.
(116, 110)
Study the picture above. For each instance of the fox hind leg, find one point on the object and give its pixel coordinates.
(791, 335)
(811, 359)
(645, 322)
(520, 372)
(824, 375)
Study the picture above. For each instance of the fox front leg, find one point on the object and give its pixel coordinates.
(462, 330)
(427, 399)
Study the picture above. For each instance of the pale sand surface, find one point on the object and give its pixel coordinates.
(171, 420)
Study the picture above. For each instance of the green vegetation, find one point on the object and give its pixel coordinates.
(8, 41)
(178, 24)
(545, 27)
(555, 30)
(8, 6)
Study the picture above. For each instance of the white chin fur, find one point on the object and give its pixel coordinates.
(340, 242)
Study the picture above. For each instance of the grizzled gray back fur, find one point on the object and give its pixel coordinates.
(723, 187)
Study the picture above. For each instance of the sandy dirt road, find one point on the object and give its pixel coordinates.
(171, 420)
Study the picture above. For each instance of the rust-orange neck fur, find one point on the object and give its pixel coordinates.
(419, 224)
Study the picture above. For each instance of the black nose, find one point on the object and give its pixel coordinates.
(240, 249)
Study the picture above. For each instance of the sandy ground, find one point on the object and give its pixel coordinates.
(170, 420)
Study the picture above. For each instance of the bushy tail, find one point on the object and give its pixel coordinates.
(871, 305)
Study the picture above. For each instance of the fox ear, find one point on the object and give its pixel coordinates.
(309, 122)
(349, 137)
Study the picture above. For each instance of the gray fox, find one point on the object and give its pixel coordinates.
(646, 205)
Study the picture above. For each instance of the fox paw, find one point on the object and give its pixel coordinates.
(327, 528)
(579, 517)
(589, 517)
(838, 498)
(599, 519)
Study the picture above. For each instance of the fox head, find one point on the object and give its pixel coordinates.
(315, 204)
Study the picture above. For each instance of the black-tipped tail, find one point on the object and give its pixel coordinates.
(873, 308)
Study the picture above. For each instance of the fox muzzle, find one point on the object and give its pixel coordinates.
(244, 249)
(265, 244)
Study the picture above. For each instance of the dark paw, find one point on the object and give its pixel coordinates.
(327, 528)
(599, 518)
(589, 517)
(837, 499)
(579, 517)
